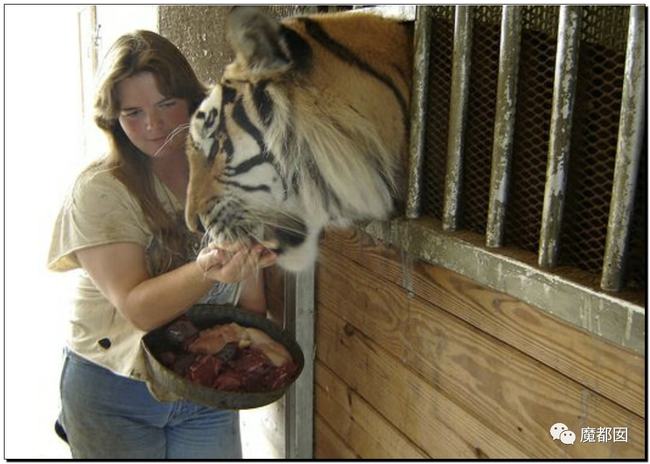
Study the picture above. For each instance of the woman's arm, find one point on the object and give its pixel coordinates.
(253, 297)
(119, 271)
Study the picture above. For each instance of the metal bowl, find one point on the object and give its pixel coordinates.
(204, 316)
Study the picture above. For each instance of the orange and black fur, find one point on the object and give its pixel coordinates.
(308, 128)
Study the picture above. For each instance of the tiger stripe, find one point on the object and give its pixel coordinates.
(241, 118)
(263, 103)
(315, 30)
(246, 165)
(324, 101)
(247, 188)
(299, 49)
(228, 95)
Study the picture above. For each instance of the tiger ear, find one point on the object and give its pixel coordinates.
(260, 49)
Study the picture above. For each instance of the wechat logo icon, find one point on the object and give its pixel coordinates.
(561, 432)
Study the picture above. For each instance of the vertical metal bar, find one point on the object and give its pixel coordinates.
(628, 153)
(419, 94)
(566, 71)
(299, 405)
(504, 123)
(457, 114)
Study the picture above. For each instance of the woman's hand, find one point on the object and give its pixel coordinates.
(235, 262)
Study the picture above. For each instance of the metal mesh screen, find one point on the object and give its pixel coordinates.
(594, 136)
(601, 69)
(477, 154)
(532, 121)
(442, 38)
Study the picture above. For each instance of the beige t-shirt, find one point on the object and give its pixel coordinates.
(100, 210)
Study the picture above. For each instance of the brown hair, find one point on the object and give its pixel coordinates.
(133, 53)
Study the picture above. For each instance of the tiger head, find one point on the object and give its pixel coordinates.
(307, 128)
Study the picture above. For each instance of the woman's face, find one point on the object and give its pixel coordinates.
(148, 117)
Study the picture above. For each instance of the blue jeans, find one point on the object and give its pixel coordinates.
(107, 416)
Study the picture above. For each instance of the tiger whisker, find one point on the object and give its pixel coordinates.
(177, 130)
(282, 226)
(259, 217)
(205, 240)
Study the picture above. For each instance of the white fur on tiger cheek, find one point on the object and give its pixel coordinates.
(219, 241)
(199, 131)
(299, 258)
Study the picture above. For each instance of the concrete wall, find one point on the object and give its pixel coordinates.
(199, 31)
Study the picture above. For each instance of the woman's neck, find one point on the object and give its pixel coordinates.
(173, 171)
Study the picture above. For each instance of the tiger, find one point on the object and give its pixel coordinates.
(307, 128)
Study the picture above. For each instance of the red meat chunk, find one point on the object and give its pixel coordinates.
(254, 367)
(228, 380)
(228, 357)
(205, 369)
(282, 376)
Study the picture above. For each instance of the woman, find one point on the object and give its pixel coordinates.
(122, 224)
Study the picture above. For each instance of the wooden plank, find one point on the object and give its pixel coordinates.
(427, 416)
(365, 431)
(477, 371)
(328, 445)
(612, 371)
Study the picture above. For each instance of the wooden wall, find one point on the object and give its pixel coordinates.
(428, 363)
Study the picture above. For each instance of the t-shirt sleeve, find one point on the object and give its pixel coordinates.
(98, 211)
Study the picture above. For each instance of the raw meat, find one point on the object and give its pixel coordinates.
(228, 357)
